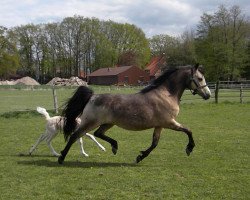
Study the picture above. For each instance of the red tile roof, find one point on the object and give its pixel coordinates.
(154, 66)
(110, 71)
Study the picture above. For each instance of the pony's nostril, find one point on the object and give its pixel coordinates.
(206, 97)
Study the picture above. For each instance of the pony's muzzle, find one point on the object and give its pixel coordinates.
(206, 94)
(206, 97)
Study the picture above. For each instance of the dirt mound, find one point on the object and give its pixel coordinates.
(73, 81)
(22, 81)
(26, 81)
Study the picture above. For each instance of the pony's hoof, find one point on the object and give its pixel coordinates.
(189, 150)
(139, 159)
(60, 160)
(114, 150)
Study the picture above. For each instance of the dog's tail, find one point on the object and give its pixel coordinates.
(74, 107)
(43, 112)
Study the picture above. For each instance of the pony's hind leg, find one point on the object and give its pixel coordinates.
(100, 133)
(178, 127)
(76, 135)
(155, 140)
(81, 131)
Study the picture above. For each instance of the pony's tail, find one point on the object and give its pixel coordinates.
(43, 112)
(73, 108)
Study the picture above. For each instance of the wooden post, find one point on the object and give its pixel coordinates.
(241, 93)
(216, 92)
(55, 99)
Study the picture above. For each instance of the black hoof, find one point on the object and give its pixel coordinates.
(114, 150)
(139, 159)
(189, 150)
(60, 160)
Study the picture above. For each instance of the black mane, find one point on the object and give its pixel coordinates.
(161, 79)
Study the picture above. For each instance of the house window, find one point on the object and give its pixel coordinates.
(126, 79)
(141, 78)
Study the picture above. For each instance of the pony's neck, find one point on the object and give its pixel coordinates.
(176, 84)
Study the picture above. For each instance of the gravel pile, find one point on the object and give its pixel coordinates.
(73, 81)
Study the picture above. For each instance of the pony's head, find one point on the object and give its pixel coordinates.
(198, 83)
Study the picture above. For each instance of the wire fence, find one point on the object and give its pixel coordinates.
(39, 95)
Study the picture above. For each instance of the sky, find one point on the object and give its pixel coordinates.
(154, 17)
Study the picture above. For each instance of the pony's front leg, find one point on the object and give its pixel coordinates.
(178, 127)
(100, 133)
(156, 137)
(72, 139)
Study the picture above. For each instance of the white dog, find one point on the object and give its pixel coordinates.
(54, 124)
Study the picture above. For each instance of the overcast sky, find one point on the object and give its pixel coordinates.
(152, 16)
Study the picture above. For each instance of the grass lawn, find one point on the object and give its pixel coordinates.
(217, 169)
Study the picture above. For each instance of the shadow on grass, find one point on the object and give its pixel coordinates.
(75, 164)
(34, 155)
(26, 155)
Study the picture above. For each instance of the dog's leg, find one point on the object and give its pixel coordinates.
(52, 150)
(52, 135)
(98, 144)
(80, 142)
(40, 139)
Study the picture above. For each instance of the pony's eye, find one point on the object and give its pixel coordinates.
(200, 79)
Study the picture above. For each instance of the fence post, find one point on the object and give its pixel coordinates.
(216, 92)
(241, 93)
(55, 99)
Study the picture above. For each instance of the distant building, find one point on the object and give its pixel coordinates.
(125, 75)
(154, 67)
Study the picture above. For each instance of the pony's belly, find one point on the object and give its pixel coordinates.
(134, 125)
(133, 128)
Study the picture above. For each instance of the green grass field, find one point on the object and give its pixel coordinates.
(217, 169)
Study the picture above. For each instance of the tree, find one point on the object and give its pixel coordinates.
(76, 44)
(9, 60)
(25, 37)
(221, 42)
(246, 68)
(178, 51)
(128, 39)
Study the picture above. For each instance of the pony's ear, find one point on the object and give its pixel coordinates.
(196, 66)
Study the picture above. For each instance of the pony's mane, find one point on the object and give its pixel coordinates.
(162, 78)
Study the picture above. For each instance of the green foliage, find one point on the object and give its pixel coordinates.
(221, 43)
(76, 44)
(178, 51)
(9, 59)
(246, 68)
